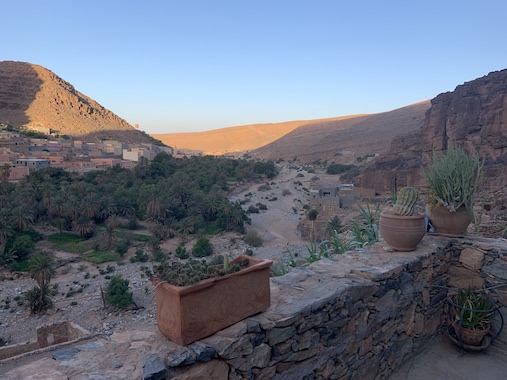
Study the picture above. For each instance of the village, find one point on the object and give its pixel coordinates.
(23, 154)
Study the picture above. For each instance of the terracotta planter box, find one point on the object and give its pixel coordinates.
(188, 313)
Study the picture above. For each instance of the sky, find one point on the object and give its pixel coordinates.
(195, 65)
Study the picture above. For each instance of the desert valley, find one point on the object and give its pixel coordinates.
(243, 190)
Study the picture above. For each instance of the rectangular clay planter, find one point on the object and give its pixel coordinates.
(188, 313)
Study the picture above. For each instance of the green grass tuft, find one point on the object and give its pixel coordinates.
(102, 257)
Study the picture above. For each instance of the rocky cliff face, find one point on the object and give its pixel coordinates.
(474, 116)
(33, 97)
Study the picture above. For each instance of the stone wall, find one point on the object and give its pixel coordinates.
(360, 315)
(482, 263)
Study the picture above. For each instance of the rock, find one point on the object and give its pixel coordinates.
(212, 370)
(178, 357)
(65, 354)
(460, 277)
(471, 258)
(473, 116)
(278, 335)
(203, 352)
(154, 368)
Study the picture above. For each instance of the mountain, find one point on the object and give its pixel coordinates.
(473, 116)
(235, 139)
(346, 140)
(31, 96)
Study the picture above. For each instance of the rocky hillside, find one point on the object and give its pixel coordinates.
(344, 141)
(34, 97)
(474, 116)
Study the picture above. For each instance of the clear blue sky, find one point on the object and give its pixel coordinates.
(193, 65)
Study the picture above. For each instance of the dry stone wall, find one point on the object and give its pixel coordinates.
(359, 316)
(482, 263)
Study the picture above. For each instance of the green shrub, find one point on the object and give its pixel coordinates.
(262, 206)
(122, 247)
(338, 168)
(159, 255)
(202, 248)
(312, 215)
(181, 252)
(253, 238)
(252, 210)
(117, 293)
(39, 299)
(139, 257)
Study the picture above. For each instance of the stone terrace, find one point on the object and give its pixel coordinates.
(358, 316)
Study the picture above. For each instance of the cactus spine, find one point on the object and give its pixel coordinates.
(406, 199)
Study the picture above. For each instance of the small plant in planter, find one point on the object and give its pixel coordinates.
(453, 180)
(403, 228)
(198, 298)
(191, 272)
(471, 314)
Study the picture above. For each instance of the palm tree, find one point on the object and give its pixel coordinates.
(83, 226)
(112, 224)
(42, 268)
(21, 217)
(90, 206)
(58, 209)
(6, 231)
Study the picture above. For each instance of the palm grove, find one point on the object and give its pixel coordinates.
(172, 197)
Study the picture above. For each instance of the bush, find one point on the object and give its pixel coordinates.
(252, 210)
(159, 255)
(39, 299)
(262, 206)
(117, 293)
(312, 215)
(253, 238)
(286, 192)
(338, 168)
(202, 248)
(181, 252)
(139, 257)
(122, 247)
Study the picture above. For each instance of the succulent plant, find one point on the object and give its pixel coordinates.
(193, 271)
(406, 199)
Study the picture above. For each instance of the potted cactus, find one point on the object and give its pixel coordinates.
(197, 299)
(402, 228)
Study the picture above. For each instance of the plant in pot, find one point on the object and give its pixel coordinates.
(470, 317)
(453, 180)
(403, 228)
(197, 298)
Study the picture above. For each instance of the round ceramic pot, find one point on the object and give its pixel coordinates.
(402, 233)
(469, 336)
(447, 223)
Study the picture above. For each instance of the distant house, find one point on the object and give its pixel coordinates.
(32, 163)
(328, 201)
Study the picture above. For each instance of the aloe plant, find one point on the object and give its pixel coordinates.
(453, 179)
(472, 309)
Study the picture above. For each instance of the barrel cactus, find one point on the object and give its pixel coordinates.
(406, 199)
